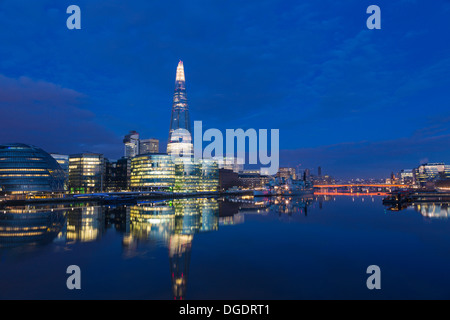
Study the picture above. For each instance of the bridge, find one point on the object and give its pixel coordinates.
(355, 185)
(357, 188)
(352, 194)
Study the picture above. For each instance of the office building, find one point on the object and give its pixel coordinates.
(187, 176)
(86, 173)
(284, 173)
(123, 173)
(196, 176)
(251, 179)
(158, 172)
(406, 176)
(117, 175)
(148, 146)
(431, 172)
(110, 180)
(131, 144)
(209, 176)
(152, 172)
(228, 179)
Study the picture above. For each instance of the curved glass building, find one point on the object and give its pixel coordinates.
(26, 170)
(152, 172)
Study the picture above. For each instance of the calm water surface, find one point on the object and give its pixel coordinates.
(317, 248)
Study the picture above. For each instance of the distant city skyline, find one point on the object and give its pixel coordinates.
(357, 102)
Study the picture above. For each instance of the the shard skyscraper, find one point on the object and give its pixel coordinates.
(180, 134)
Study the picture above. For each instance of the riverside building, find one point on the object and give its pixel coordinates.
(86, 173)
(152, 172)
(27, 171)
(431, 172)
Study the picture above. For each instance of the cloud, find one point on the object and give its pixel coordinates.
(366, 159)
(47, 115)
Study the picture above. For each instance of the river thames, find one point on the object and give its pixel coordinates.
(237, 248)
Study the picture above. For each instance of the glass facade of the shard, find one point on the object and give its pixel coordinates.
(180, 134)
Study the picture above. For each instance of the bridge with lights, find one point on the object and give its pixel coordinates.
(359, 185)
(350, 188)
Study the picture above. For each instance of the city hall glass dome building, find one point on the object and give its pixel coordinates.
(27, 170)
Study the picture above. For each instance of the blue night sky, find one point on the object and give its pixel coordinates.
(358, 102)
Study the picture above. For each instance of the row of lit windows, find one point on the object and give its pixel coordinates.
(22, 234)
(90, 166)
(157, 184)
(85, 160)
(153, 174)
(22, 155)
(22, 228)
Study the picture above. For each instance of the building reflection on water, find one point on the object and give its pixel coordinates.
(28, 225)
(428, 210)
(172, 224)
(84, 224)
(160, 224)
(433, 210)
(292, 205)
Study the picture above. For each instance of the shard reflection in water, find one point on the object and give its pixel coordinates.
(168, 225)
(171, 224)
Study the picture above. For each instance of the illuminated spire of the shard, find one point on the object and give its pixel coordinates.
(180, 72)
(180, 134)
